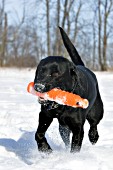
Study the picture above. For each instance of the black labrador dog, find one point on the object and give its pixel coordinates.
(59, 72)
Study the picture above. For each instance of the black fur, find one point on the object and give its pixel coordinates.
(73, 77)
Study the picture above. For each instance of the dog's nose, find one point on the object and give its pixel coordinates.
(39, 87)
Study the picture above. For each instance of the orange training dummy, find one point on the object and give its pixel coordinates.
(60, 97)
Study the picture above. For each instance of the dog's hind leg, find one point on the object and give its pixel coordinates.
(94, 116)
(65, 135)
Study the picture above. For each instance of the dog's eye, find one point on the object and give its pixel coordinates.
(54, 74)
(48, 75)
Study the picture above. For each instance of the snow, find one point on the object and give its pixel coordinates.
(18, 123)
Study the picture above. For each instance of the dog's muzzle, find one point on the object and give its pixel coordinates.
(39, 87)
(49, 105)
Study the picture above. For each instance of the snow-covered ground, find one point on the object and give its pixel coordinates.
(18, 123)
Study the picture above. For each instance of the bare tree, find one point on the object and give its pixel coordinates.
(64, 13)
(104, 11)
(4, 38)
(65, 19)
(99, 33)
(76, 21)
(48, 26)
(94, 45)
(58, 40)
(2, 8)
(107, 11)
(3, 31)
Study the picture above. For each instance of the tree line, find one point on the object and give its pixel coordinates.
(35, 35)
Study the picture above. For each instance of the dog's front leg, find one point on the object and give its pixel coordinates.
(44, 122)
(78, 134)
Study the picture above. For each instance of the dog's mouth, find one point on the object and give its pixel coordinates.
(42, 100)
(39, 87)
(49, 105)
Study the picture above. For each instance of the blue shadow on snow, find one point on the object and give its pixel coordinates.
(23, 147)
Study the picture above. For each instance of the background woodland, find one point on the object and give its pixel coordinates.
(35, 35)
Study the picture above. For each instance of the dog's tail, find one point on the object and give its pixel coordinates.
(71, 49)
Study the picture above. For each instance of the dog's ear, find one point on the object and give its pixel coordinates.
(72, 69)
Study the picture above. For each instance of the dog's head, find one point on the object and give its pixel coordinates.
(54, 72)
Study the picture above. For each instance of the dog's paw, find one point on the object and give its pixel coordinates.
(44, 147)
(93, 136)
